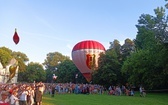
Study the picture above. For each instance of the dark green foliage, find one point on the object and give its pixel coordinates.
(51, 63)
(66, 72)
(34, 72)
(148, 65)
(109, 69)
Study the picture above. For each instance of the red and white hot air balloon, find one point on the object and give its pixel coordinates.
(16, 37)
(85, 56)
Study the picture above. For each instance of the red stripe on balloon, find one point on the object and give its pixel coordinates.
(88, 44)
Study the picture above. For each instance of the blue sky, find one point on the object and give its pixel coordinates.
(57, 25)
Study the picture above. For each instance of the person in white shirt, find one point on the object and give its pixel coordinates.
(14, 99)
(23, 97)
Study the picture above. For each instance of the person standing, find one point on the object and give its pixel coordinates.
(13, 98)
(31, 96)
(38, 96)
(23, 96)
(142, 91)
(4, 98)
(53, 90)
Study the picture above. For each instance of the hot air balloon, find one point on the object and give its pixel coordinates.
(16, 37)
(13, 65)
(85, 56)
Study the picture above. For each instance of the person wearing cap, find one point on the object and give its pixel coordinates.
(4, 98)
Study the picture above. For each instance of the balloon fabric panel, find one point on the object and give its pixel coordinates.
(88, 76)
(86, 60)
(89, 44)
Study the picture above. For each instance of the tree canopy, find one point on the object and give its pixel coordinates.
(148, 64)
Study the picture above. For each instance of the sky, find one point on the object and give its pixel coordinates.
(46, 26)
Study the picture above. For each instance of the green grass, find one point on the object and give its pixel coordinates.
(81, 99)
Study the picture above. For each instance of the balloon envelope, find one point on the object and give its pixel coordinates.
(13, 66)
(16, 37)
(85, 56)
(88, 76)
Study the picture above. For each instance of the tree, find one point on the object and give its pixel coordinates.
(161, 26)
(34, 72)
(145, 37)
(126, 49)
(115, 45)
(108, 72)
(22, 60)
(148, 64)
(53, 59)
(66, 72)
(51, 62)
(5, 56)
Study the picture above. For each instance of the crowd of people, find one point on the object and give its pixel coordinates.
(63, 88)
(21, 94)
(31, 93)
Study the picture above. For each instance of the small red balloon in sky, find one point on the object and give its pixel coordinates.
(16, 37)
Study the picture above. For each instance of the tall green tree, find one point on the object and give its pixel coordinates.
(53, 59)
(126, 49)
(66, 72)
(145, 37)
(22, 60)
(108, 72)
(148, 65)
(34, 72)
(51, 63)
(5, 56)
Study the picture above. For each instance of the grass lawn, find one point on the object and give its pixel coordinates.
(81, 99)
